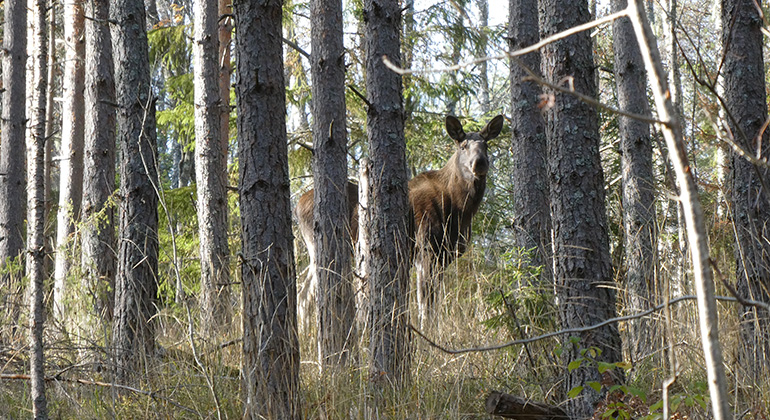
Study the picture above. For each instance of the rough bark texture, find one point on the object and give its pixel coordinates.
(693, 211)
(331, 227)
(532, 217)
(12, 159)
(638, 183)
(133, 333)
(483, 6)
(270, 343)
(211, 170)
(747, 112)
(98, 231)
(49, 131)
(389, 254)
(36, 204)
(582, 268)
(513, 407)
(71, 151)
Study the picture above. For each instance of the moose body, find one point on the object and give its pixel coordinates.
(443, 202)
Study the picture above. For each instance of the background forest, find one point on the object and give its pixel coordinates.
(129, 282)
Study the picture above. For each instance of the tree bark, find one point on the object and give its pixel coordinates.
(49, 136)
(638, 184)
(513, 407)
(388, 213)
(136, 286)
(36, 203)
(331, 216)
(211, 169)
(585, 289)
(71, 152)
(529, 168)
(693, 212)
(12, 156)
(746, 104)
(270, 342)
(98, 233)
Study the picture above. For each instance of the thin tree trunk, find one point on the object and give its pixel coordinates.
(71, 152)
(98, 235)
(638, 184)
(49, 136)
(746, 104)
(36, 204)
(482, 52)
(582, 265)
(12, 156)
(133, 332)
(270, 343)
(331, 227)
(210, 165)
(696, 228)
(388, 215)
(529, 169)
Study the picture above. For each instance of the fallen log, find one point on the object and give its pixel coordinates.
(513, 407)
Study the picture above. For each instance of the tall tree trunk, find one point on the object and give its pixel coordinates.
(225, 70)
(331, 227)
(693, 211)
(746, 104)
(133, 331)
(49, 136)
(71, 163)
(675, 85)
(388, 215)
(638, 183)
(582, 266)
(482, 52)
(98, 235)
(270, 342)
(532, 217)
(211, 169)
(36, 203)
(12, 159)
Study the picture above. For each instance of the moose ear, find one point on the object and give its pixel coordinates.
(454, 128)
(492, 128)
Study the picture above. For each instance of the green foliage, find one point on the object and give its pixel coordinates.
(170, 47)
(179, 244)
(520, 302)
(179, 120)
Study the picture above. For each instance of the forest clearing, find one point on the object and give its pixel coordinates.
(380, 209)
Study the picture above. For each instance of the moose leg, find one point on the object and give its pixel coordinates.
(426, 293)
(306, 295)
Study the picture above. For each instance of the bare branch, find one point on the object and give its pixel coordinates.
(561, 35)
(493, 347)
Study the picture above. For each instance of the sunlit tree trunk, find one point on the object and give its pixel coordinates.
(36, 203)
(331, 227)
(133, 332)
(746, 103)
(585, 289)
(210, 166)
(638, 184)
(98, 232)
(71, 151)
(389, 254)
(270, 380)
(50, 129)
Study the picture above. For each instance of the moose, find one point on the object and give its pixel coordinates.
(443, 203)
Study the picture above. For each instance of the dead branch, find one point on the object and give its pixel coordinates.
(151, 394)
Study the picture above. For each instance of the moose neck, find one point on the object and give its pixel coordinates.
(466, 191)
